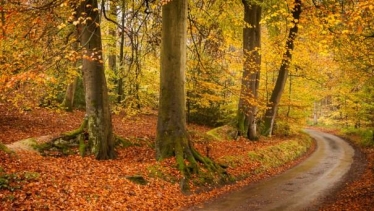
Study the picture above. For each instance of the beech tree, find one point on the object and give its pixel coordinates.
(172, 138)
(273, 103)
(98, 117)
(247, 110)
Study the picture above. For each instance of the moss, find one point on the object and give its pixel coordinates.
(269, 157)
(275, 156)
(42, 147)
(232, 160)
(157, 171)
(56, 147)
(242, 124)
(82, 146)
(31, 175)
(138, 179)
(5, 148)
(16, 180)
(253, 155)
(30, 142)
(74, 133)
(222, 133)
(93, 142)
(187, 158)
(123, 142)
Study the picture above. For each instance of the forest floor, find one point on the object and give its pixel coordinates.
(29, 181)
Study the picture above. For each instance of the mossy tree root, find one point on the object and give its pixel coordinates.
(78, 136)
(76, 132)
(188, 159)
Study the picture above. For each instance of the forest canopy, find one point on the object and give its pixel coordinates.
(329, 78)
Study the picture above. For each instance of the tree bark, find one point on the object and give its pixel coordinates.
(247, 110)
(68, 102)
(172, 137)
(99, 127)
(2, 14)
(283, 73)
(121, 68)
(171, 125)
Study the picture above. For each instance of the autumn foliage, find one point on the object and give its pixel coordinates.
(330, 83)
(83, 183)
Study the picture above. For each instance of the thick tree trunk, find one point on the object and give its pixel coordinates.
(171, 125)
(247, 110)
(101, 138)
(172, 137)
(283, 73)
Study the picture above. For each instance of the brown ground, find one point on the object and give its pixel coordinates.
(73, 182)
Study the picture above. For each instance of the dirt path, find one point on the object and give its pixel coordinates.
(304, 187)
(26, 144)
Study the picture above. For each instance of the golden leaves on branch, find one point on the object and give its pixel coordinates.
(93, 55)
(163, 2)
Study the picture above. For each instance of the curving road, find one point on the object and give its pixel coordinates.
(303, 187)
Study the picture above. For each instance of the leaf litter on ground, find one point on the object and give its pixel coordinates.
(83, 183)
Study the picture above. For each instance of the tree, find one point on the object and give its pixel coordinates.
(68, 102)
(212, 61)
(98, 116)
(2, 13)
(172, 138)
(247, 110)
(273, 103)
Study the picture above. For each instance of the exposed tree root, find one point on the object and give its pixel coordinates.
(192, 163)
(65, 143)
(78, 131)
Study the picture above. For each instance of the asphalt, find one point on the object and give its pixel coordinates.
(304, 187)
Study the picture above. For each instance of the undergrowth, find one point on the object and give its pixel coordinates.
(365, 136)
(264, 159)
(13, 181)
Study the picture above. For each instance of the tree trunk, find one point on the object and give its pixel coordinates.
(283, 73)
(68, 102)
(101, 138)
(112, 57)
(2, 14)
(171, 125)
(315, 113)
(172, 137)
(121, 68)
(247, 110)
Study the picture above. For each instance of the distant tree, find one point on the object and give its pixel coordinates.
(69, 98)
(277, 92)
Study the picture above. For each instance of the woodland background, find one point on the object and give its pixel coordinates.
(330, 74)
(329, 82)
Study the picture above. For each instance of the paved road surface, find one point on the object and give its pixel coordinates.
(303, 187)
